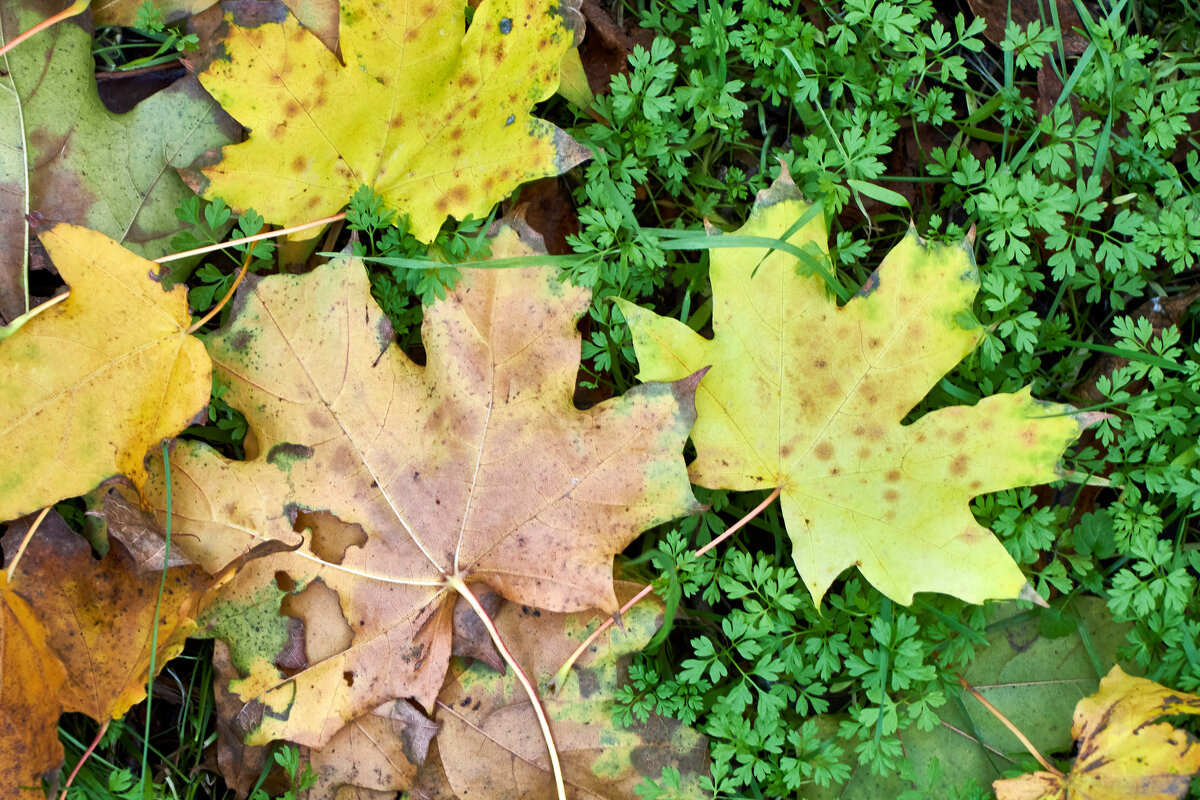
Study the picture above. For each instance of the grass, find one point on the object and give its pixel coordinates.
(1072, 156)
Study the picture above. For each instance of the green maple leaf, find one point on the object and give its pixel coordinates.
(66, 156)
(809, 397)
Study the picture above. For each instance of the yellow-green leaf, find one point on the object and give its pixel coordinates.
(808, 397)
(92, 383)
(436, 122)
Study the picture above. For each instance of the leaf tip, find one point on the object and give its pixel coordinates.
(684, 389)
(1030, 594)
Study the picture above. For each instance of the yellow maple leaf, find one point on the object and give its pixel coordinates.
(437, 123)
(808, 396)
(1122, 756)
(88, 385)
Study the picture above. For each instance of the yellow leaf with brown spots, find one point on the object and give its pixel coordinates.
(1122, 756)
(90, 384)
(436, 122)
(808, 396)
(476, 465)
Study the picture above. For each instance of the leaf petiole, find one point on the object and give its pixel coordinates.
(78, 7)
(455, 582)
(560, 677)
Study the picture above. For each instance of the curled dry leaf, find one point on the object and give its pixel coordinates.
(436, 122)
(808, 396)
(1122, 755)
(476, 465)
(77, 408)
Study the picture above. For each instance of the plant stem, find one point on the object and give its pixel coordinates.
(1041, 759)
(86, 755)
(12, 565)
(212, 312)
(75, 8)
(147, 790)
(560, 677)
(316, 223)
(459, 586)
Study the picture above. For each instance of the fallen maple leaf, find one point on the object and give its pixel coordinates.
(435, 122)
(30, 678)
(1121, 755)
(63, 154)
(90, 384)
(489, 742)
(99, 615)
(809, 397)
(476, 466)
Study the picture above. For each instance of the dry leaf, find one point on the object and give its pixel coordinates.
(1122, 756)
(30, 679)
(476, 465)
(99, 615)
(490, 743)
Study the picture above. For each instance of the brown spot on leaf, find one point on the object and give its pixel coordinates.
(958, 466)
(891, 495)
(892, 476)
(824, 451)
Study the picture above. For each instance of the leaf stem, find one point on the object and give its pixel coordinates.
(212, 312)
(456, 582)
(12, 565)
(560, 677)
(147, 790)
(75, 8)
(316, 223)
(86, 755)
(1041, 759)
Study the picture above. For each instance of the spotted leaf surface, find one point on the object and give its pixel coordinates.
(476, 464)
(808, 396)
(436, 122)
(99, 614)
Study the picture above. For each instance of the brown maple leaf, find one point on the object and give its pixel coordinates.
(476, 467)
(99, 615)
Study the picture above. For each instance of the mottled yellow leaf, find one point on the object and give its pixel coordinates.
(437, 122)
(92, 383)
(1122, 756)
(808, 396)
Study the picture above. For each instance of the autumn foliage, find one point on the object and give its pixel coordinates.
(378, 495)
